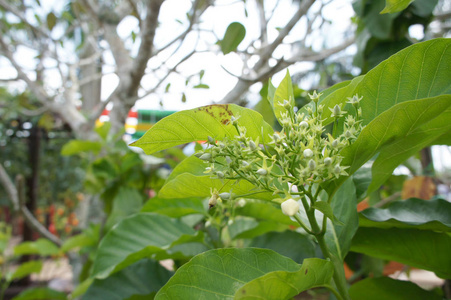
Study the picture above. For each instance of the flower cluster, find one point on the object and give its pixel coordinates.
(302, 153)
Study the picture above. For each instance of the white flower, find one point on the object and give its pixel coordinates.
(308, 153)
(290, 207)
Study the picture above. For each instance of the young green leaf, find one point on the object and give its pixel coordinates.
(283, 96)
(393, 6)
(233, 36)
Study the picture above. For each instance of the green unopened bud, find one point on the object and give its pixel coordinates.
(337, 169)
(308, 153)
(286, 104)
(213, 200)
(199, 154)
(337, 110)
(245, 163)
(211, 140)
(225, 196)
(290, 207)
(348, 134)
(234, 120)
(205, 156)
(303, 124)
(276, 137)
(252, 145)
(262, 172)
(314, 97)
(220, 174)
(320, 109)
(335, 143)
(327, 161)
(228, 160)
(312, 164)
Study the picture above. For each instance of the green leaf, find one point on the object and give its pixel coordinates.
(41, 293)
(126, 202)
(199, 123)
(283, 92)
(417, 248)
(277, 285)
(41, 247)
(412, 213)
(397, 131)
(389, 289)
(144, 277)
(344, 204)
(220, 273)
(137, 237)
(201, 86)
(77, 146)
(24, 270)
(51, 21)
(288, 243)
(326, 209)
(78, 241)
(175, 208)
(188, 185)
(191, 164)
(233, 36)
(264, 210)
(392, 6)
(246, 228)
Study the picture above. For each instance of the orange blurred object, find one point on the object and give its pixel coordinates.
(422, 187)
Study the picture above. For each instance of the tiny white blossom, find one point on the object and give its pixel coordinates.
(290, 207)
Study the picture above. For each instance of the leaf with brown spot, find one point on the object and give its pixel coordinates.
(199, 123)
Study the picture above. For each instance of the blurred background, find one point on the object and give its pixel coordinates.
(80, 80)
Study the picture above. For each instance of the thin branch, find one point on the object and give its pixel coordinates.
(148, 30)
(21, 16)
(19, 207)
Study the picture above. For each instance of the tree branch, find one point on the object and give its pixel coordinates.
(19, 207)
(148, 30)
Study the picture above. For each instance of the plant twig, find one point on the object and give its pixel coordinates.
(19, 207)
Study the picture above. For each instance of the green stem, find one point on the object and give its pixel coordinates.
(339, 277)
(334, 291)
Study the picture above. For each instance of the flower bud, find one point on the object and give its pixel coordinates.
(211, 140)
(312, 164)
(276, 137)
(308, 153)
(234, 120)
(348, 134)
(314, 97)
(228, 160)
(337, 169)
(213, 200)
(220, 174)
(245, 163)
(205, 156)
(241, 202)
(252, 145)
(290, 207)
(303, 124)
(199, 154)
(286, 104)
(327, 161)
(335, 143)
(337, 110)
(225, 196)
(262, 172)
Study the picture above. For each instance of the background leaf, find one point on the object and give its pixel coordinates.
(417, 248)
(175, 208)
(41, 293)
(199, 123)
(289, 243)
(24, 270)
(412, 213)
(233, 36)
(389, 289)
(392, 6)
(137, 237)
(283, 92)
(144, 278)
